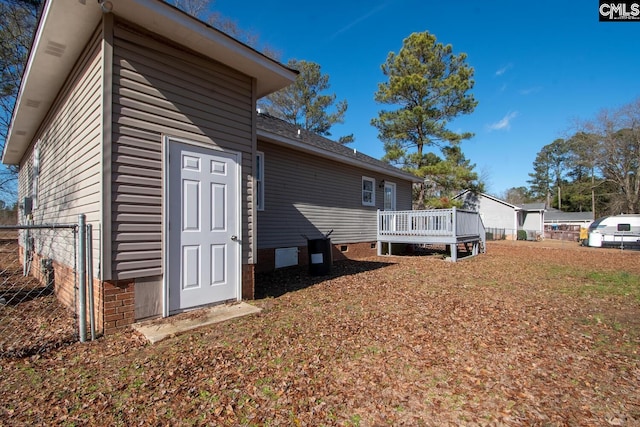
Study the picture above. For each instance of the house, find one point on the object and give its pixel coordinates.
(143, 118)
(505, 219)
(310, 186)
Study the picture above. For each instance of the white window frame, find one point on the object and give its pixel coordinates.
(35, 175)
(364, 192)
(259, 180)
(392, 186)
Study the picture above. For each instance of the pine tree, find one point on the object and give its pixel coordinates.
(429, 87)
(304, 102)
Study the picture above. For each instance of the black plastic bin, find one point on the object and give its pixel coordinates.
(320, 256)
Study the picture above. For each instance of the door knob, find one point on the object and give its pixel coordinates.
(234, 238)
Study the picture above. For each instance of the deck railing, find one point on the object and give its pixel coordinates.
(467, 222)
(436, 226)
(434, 222)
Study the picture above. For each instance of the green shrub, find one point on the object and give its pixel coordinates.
(522, 234)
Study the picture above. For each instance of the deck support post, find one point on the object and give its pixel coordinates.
(454, 252)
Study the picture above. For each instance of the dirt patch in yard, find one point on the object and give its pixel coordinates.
(528, 334)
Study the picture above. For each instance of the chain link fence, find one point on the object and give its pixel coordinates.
(493, 233)
(40, 288)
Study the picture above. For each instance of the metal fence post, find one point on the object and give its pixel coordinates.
(89, 251)
(82, 277)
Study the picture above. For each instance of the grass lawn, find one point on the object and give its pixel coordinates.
(529, 334)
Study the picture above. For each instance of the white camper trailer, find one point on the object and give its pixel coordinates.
(620, 231)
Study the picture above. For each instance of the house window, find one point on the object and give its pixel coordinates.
(368, 191)
(260, 181)
(389, 196)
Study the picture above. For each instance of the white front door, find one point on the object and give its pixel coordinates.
(204, 226)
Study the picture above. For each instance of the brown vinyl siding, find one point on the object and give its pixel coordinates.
(162, 90)
(310, 195)
(70, 172)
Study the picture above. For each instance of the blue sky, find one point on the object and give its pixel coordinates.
(539, 66)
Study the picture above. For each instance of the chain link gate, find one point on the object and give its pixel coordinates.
(43, 269)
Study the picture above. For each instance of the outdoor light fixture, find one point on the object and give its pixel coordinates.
(381, 184)
(105, 5)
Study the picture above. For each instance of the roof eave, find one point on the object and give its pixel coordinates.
(64, 29)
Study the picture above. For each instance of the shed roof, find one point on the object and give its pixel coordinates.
(277, 131)
(64, 28)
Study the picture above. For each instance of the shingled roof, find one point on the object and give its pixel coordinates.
(532, 206)
(555, 215)
(277, 131)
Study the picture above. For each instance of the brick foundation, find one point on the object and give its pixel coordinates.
(340, 252)
(355, 251)
(119, 307)
(63, 279)
(65, 287)
(113, 301)
(248, 281)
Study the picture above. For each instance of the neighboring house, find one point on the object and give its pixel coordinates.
(143, 118)
(565, 225)
(531, 219)
(503, 218)
(310, 186)
(558, 218)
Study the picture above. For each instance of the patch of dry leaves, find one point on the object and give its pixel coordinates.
(32, 321)
(500, 339)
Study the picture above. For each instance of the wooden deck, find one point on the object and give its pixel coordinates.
(436, 226)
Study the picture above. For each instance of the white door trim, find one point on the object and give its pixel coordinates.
(167, 140)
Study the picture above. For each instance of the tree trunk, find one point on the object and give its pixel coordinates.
(548, 198)
(421, 197)
(559, 199)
